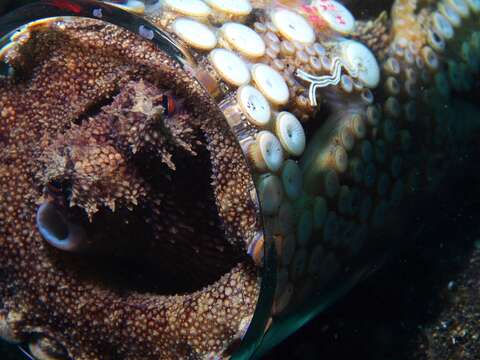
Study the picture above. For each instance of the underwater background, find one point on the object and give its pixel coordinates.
(422, 304)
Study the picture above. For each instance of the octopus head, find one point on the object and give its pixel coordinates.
(135, 197)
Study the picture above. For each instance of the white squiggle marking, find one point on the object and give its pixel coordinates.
(325, 80)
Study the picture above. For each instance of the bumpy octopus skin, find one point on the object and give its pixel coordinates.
(52, 134)
(85, 136)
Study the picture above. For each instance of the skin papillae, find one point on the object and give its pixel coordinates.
(83, 127)
(164, 200)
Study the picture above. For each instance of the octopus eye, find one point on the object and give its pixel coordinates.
(168, 103)
(57, 231)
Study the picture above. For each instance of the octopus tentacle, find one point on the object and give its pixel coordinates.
(301, 130)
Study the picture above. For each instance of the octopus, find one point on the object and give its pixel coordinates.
(180, 177)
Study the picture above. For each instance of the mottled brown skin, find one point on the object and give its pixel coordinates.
(80, 126)
(375, 34)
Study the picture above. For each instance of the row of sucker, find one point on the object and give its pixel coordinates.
(321, 205)
(253, 64)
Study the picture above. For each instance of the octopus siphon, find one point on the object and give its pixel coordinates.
(180, 177)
